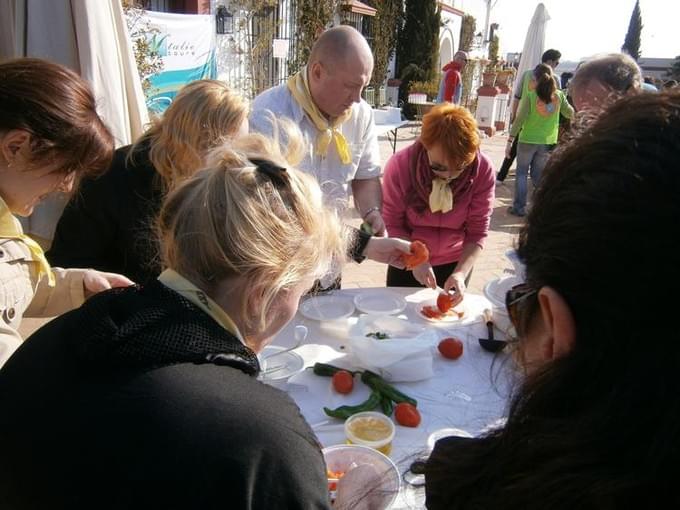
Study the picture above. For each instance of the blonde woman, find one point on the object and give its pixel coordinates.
(150, 391)
(108, 225)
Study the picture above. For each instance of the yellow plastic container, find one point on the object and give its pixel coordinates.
(371, 429)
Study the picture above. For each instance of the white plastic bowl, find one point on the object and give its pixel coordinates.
(344, 457)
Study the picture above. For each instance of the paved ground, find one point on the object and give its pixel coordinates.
(503, 230)
(492, 262)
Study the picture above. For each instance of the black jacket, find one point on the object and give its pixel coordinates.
(138, 399)
(108, 224)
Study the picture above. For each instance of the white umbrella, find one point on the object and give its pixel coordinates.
(89, 36)
(534, 42)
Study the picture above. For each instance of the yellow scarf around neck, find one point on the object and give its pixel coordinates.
(441, 196)
(175, 281)
(299, 88)
(10, 228)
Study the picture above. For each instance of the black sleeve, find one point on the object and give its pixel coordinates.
(87, 230)
(358, 242)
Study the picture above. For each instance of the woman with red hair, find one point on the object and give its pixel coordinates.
(440, 191)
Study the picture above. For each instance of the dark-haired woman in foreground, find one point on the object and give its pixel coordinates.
(595, 423)
(50, 138)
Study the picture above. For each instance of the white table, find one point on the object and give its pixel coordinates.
(390, 130)
(470, 393)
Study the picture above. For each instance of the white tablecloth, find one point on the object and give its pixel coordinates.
(470, 393)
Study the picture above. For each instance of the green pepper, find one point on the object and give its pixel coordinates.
(386, 405)
(377, 383)
(344, 412)
(325, 370)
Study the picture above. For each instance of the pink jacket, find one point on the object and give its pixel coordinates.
(443, 233)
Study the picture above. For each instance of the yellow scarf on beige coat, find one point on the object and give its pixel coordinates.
(10, 228)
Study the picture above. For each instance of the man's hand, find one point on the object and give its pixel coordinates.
(425, 275)
(374, 219)
(97, 281)
(387, 250)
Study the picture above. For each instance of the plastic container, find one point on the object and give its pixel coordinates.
(346, 457)
(371, 429)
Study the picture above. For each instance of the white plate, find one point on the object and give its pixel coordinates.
(326, 308)
(381, 302)
(280, 367)
(495, 289)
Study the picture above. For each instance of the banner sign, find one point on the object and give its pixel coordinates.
(186, 45)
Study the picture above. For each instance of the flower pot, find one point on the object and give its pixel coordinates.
(488, 79)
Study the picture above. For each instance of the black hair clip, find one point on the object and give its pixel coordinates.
(277, 174)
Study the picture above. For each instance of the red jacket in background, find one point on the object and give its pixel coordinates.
(452, 80)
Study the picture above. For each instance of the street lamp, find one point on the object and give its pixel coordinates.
(224, 20)
(478, 39)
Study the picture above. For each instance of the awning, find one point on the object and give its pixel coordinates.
(360, 7)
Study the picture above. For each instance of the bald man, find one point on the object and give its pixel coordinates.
(324, 100)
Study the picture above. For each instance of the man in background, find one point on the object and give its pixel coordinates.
(451, 85)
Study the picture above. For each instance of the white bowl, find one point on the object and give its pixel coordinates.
(345, 457)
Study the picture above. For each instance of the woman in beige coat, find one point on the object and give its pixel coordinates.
(50, 136)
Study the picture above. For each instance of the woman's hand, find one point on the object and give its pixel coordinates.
(97, 281)
(425, 275)
(387, 250)
(456, 282)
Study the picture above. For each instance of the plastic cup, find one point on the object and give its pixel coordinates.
(371, 429)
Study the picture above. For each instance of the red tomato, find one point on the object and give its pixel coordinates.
(451, 348)
(444, 302)
(343, 381)
(419, 254)
(406, 415)
(431, 312)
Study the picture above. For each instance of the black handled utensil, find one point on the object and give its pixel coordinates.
(490, 344)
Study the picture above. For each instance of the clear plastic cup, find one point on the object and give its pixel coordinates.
(371, 429)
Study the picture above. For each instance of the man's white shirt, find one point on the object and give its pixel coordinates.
(332, 175)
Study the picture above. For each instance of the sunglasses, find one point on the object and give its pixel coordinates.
(515, 298)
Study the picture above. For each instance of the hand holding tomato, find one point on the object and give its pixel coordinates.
(456, 282)
(419, 254)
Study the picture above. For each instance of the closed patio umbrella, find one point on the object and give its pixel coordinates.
(534, 42)
(90, 37)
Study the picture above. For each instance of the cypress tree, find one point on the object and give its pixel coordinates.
(418, 49)
(631, 45)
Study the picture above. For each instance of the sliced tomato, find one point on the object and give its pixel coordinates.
(431, 312)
